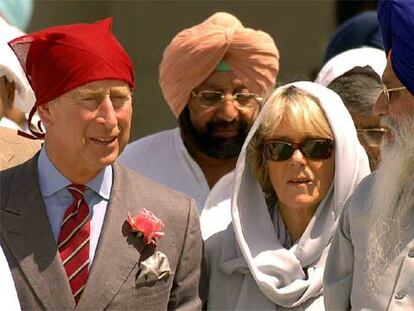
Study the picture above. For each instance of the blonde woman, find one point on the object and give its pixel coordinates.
(300, 162)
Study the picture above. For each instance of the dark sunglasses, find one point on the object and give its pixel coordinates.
(281, 150)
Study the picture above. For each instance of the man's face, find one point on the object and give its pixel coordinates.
(218, 131)
(370, 132)
(400, 103)
(88, 127)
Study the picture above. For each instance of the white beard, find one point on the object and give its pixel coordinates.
(392, 200)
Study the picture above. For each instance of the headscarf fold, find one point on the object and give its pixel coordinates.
(61, 58)
(396, 20)
(254, 246)
(195, 52)
(345, 61)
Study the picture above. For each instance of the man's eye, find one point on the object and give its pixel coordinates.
(88, 98)
(211, 96)
(244, 97)
(120, 97)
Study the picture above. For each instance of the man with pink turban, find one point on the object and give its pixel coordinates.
(213, 77)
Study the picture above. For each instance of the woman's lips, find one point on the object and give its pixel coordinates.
(299, 181)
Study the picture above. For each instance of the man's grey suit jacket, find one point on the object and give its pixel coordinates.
(27, 240)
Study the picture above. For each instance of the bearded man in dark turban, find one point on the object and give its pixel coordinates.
(371, 260)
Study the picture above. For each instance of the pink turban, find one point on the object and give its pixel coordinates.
(194, 53)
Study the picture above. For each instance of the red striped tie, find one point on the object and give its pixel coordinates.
(73, 243)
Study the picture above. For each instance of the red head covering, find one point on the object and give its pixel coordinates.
(61, 58)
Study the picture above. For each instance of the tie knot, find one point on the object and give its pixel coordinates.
(77, 191)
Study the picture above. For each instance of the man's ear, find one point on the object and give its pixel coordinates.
(46, 114)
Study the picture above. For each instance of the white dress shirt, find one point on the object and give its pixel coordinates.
(57, 198)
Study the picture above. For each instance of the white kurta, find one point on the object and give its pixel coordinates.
(345, 272)
(164, 158)
(8, 295)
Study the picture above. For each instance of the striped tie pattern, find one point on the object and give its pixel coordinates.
(73, 242)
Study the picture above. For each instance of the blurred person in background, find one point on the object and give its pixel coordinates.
(361, 30)
(16, 95)
(355, 76)
(15, 149)
(213, 77)
(300, 162)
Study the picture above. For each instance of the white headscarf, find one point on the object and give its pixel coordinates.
(257, 250)
(345, 61)
(11, 68)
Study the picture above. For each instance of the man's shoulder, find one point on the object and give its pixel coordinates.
(359, 202)
(148, 153)
(13, 177)
(152, 141)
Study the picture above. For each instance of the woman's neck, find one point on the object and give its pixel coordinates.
(296, 219)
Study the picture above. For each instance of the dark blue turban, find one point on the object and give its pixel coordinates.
(396, 20)
(358, 31)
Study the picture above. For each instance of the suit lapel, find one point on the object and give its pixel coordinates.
(118, 250)
(27, 232)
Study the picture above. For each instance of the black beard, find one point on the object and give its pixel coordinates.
(206, 142)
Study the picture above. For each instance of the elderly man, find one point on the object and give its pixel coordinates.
(355, 76)
(371, 260)
(213, 76)
(79, 230)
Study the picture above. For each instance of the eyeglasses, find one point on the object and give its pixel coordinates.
(211, 99)
(387, 91)
(314, 149)
(372, 136)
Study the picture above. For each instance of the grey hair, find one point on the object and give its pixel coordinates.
(358, 88)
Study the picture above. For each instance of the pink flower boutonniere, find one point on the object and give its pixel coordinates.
(146, 225)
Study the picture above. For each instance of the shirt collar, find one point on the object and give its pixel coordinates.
(52, 181)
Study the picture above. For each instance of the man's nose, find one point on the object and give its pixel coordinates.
(380, 107)
(227, 110)
(107, 113)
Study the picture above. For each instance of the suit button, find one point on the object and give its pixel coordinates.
(400, 295)
(411, 254)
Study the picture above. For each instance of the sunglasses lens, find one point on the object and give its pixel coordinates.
(278, 150)
(317, 149)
